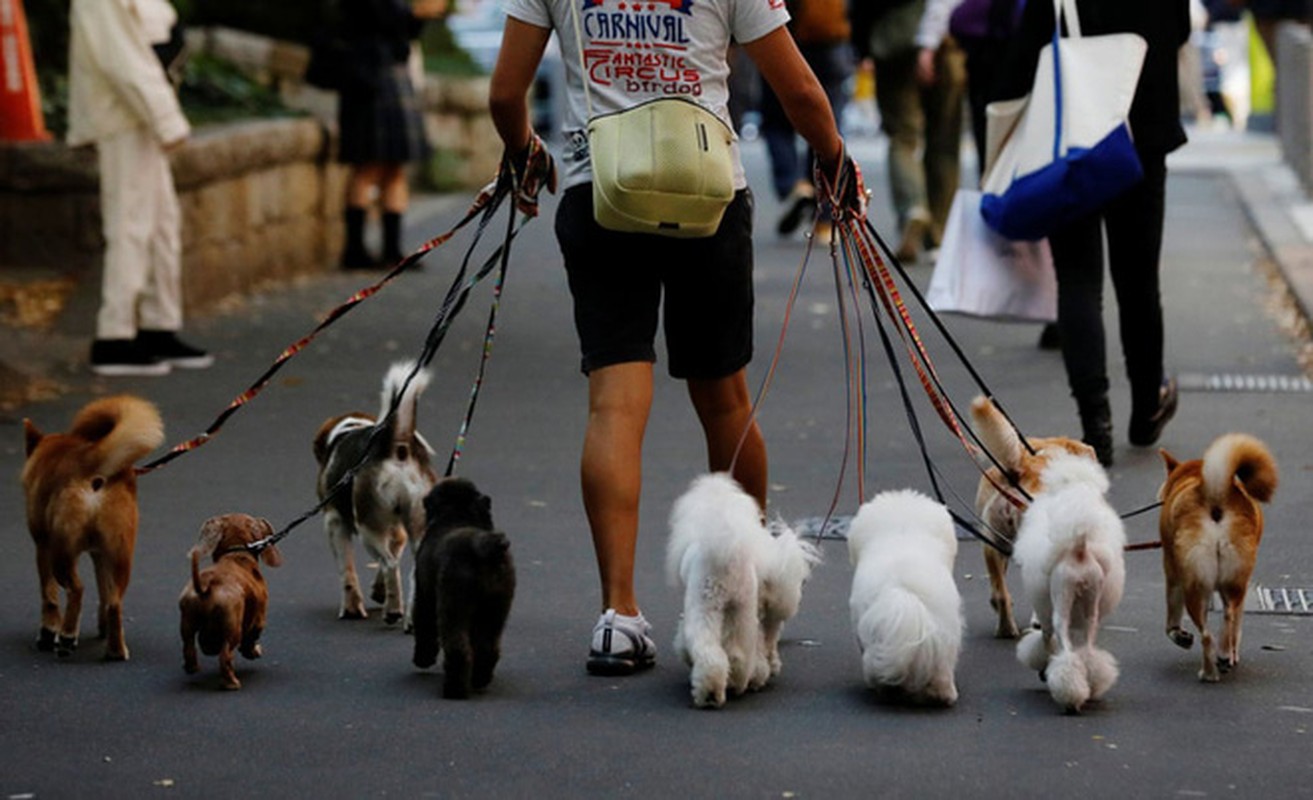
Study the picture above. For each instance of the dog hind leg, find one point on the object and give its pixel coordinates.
(1175, 609)
(190, 663)
(1233, 602)
(227, 673)
(457, 651)
(702, 639)
(424, 618)
(999, 598)
(112, 576)
(486, 639)
(45, 641)
(1196, 604)
(65, 572)
(339, 538)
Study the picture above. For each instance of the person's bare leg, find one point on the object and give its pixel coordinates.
(361, 183)
(724, 407)
(619, 400)
(394, 188)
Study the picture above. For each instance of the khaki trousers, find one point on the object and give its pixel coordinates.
(142, 284)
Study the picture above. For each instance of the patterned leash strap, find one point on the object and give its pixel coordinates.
(451, 306)
(484, 204)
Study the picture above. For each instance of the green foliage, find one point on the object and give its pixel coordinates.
(213, 90)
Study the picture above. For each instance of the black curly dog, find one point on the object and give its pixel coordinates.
(464, 584)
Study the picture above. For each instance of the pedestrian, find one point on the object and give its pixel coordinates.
(1269, 14)
(920, 112)
(636, 53)
(121, 101)
(379, 119)
(1132, 222)
(822, 31)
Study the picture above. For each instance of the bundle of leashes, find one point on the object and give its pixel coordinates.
(861, 262)
(519, 182)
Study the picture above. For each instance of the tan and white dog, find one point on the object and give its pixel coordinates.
(1210, 524)
(999, 512)
(82, 498)
(383, 500)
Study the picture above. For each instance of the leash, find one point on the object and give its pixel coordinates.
(485, 203)
(506, 185)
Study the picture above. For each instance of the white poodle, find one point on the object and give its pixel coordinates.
(906, 609)
(1070, 549)
(741, 581)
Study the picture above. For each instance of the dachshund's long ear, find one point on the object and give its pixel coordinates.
(212, 531)
(270, 554)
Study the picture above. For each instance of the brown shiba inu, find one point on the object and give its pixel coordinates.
(1210, 525)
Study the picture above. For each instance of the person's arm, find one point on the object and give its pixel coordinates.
(930, 34)
(522, 48)
(799, 92)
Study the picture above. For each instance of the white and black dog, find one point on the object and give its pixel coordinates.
(383, 502)
(741, 581)
(464, 585)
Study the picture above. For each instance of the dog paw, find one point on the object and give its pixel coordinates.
(230, 684)
(1181, 638)
(191, 669)
(353, 613)
(1209, 675)
(116, 655)
(65, 645)
(392, 617)
(1224, 665)
(425, 658)
(455, 691)
(253, 652)
(45, 641)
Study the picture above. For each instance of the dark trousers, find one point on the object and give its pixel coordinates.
(1134, 226)
(833, 65)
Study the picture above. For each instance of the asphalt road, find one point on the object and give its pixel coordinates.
(336, 710)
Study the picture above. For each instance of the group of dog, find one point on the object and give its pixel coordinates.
(376, 482)
(741, 576)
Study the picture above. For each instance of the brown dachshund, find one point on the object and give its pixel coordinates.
(81, 495)
(223, 606)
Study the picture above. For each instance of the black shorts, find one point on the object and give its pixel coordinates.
(617, 280)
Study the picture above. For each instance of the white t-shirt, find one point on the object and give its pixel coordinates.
(637, 51)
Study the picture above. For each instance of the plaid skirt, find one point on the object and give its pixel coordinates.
(382, 123)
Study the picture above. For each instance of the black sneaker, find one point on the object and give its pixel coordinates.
(801, 205)
(168, 348)
(119, 357)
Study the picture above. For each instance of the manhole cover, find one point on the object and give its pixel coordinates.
(1199, 382)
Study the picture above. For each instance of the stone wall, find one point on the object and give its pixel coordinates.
(261, 200)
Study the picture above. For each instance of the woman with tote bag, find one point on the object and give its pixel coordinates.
(1133, 222)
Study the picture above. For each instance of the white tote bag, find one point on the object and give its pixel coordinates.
(981, 274)
(1057, 141)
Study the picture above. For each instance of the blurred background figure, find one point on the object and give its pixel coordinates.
(920, 100)
(379, 119)
(822, 31)
(121, 100)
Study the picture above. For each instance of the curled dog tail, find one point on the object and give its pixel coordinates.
(995, 432)
(122, 430)
(904, 643)
(492, 546)
(1239, 457)
(406, 398)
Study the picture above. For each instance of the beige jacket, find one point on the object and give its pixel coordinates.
(116, 82)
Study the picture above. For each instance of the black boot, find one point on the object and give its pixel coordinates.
(354, 255)
(1096, 425)
(392, 238)
(1148, 421)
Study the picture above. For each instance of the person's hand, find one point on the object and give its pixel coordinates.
(840, 188)
(175, 145)
(532, 169)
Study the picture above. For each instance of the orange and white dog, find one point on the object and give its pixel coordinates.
(1001, 514)
(82, 497)
(1211, 523)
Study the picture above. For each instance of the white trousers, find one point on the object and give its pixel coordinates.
(142, 285)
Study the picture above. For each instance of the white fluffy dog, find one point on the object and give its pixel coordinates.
(1070, 547)
(906, 609)
(741, 582)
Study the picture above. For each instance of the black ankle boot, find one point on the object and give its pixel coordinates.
(1096, 427)
(1147, 424)
(392, 238)
(354, 255)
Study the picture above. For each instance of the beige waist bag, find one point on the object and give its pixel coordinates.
(663, 167)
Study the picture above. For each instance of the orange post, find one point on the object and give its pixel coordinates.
(20, 97)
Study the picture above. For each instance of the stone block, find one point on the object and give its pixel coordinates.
(465, 95)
